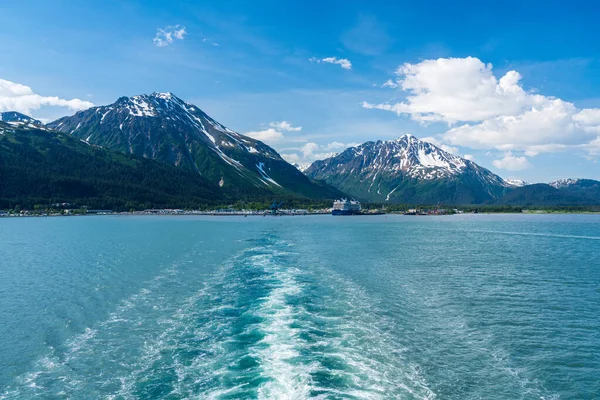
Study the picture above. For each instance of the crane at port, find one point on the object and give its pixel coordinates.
(275, 206)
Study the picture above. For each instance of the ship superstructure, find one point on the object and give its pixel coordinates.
(345, 207)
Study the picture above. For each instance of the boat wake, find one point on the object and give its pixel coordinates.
(263, 326)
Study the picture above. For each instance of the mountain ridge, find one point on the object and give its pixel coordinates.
(20, 119)
(408, 169)
(42, 166)
(163, 127)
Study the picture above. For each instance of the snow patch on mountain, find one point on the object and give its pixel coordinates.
(20, 120)
(301, 167)
(407, 155)
(261, 168)
(176, 113)
(400, 167)
(516, 182)
(163, 127)
(563, 183)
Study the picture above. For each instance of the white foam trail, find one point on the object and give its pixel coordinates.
(279, 358)
(373, 365)
(365, 358)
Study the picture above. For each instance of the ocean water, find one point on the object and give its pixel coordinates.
(377, 307)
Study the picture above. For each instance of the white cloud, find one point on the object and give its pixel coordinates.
(486, 112)
(549, 128)
(588, 119)
(285, 126)
(292, 158)
(268, 135)
(457, 89)
(312, 151)
(309, 148)
(21, 98)
(593, 147)
(512, 163)
(274, 133)
(342, 62)
(438, 143)
(168, 35)
(391, 84)
(469, 157)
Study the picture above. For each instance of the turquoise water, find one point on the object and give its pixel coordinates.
(378, 307)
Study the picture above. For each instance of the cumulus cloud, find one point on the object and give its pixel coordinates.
(512, 163)
(469, 157)
(168, 35)
(312, 151)
(285, 126)
(487, 112)
(588, 119)
(274, 133)
(438, 143)
(457, 89)
(293, 158)
(268, 135)
(21, 98)
(309, 149)
(342, 62)
(593, 148)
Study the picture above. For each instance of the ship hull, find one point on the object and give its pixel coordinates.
(345, 212)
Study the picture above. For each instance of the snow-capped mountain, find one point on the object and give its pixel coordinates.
(16, 118)
(407, 170)
(516, 182)
(562, 192)
(301, 167)
(162, 126)
(563, 183)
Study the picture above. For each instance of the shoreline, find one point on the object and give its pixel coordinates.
(240, 214)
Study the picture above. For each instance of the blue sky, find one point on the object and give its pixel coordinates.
(513, 85)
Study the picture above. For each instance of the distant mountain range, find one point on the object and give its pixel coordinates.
(564, 192)
(409, 170)
(159, 151)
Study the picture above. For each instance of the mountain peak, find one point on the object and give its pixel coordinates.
(376, 171)
(562, 183)
(410, 156)
(17, 118)
(513, 182)
(162, 95)
(164, 127)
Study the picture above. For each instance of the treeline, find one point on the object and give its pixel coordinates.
(39, 169)
(43, 168)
